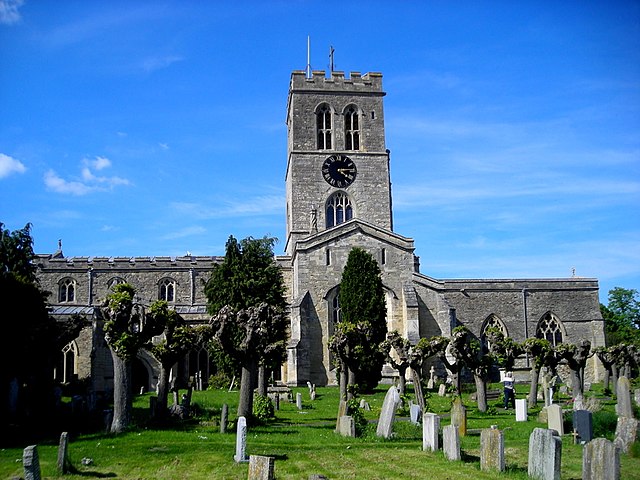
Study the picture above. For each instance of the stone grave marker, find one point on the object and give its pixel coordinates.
(153, 405)
(626, 433)
(636, 396)
(261, 468)
(543, 415)
(432, 379)
(430, 430)
(600, 460)
(623, 393)
(521, 409)
(31, 463)
(342, 411)
(442, 390)
(545, 453)
(388, 413)
(414, 414)
(347, 426)
(63, 453)
(224, 415)
(583, 425)
(555, 420)
(578, 402)
(299, 400)
(459, 416)
(564, 390)
(365, 405)
(492, 449)
(241, 441)
(451, 442)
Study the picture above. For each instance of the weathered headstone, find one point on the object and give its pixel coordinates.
(451, 442)
(623, 393)
(388, 413)
(261, 468)
(636, 396)
(626, 433)
(63, 453)
(299, 401)
(521, 409)
(578, 402)
(224, 415)
(583, 425)
(241, 441)
(459, 416)
(430, 429)
(414, 414)
(600, 460)
(555, 420)
(492, 449)
(442, 390)
(31, 463)
(342, 411)
(347, 426)
(543, 415)
(545, 453)
(432, 379)
(365, 405)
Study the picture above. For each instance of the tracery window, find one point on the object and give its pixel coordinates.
(492, 321)
(167, 290)
(336, 313)
(67, 291)
(67, 365)
(339, 209)
(115, 281)
(550, 329)
(323, 126)
(351, 128)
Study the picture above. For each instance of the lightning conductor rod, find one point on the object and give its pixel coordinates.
(308, 57)
(331, 51)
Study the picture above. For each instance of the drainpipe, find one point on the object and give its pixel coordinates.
(90, 277)
(524, 318)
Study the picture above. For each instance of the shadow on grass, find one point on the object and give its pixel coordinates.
(467, 458)
(90, 474)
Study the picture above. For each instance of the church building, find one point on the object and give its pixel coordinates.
(338, 196)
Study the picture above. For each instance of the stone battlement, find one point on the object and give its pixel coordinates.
(369, 82)
(50, 261)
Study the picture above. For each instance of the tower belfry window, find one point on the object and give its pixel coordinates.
(323, 124)
(339, 209)
(351, 129)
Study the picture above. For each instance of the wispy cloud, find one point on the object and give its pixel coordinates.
(88, 181)
(154, 63)
(9, 165)
(9, 11)
(185, 232)
(258, 205)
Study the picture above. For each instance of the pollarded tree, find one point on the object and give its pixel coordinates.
(128, 328)
(505, 350)
(398, 352)
(541, 355)
(575, 356)
(363, 318)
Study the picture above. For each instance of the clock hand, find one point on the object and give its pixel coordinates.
(344, 171)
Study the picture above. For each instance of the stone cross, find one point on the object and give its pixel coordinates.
(388, 413)
(459, 416)
(31, 463)
(554, 419)
(261, 468)
(600, 460)
(545, 454)
(451, 442)
(63, 454)
(430, 429)
(241, 441)
(224, 415)
(623, 393)
(492, 449)
(432, 379)
(521, 410)
(583, 425)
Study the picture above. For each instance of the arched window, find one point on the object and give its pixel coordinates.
(351, 128)
(492, 321)
(67, 365)
(550, 328)
(67, 290)
(339, 209)
(323, 126)
(115, 281)
(167, 290)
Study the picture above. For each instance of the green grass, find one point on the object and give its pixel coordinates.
(303, 443)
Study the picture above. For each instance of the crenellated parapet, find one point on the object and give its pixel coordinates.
(337, 81)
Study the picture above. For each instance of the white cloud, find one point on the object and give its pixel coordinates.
(9, 13)
(185, 232)
(90, 182)
(9, 165)
(159, 62)
(164, 146)
(60, 185)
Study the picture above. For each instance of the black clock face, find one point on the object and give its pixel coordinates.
(339, 171)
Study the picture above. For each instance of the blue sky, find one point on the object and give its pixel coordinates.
(156, 128)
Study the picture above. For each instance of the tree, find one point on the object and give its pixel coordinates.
(402, 358)
(622, 316)
(505, 350)
(575, 356)
(128, 328)
(607, 356)
(362, 326)
(541, 355)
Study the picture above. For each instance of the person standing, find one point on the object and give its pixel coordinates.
(509, 392)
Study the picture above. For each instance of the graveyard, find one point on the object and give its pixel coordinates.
(303, 443)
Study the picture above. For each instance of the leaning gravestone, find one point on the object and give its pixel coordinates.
(521, 410)
(342, 411)
(583, 425)
(63, 454)
(430, 429)
(623, 393)
(492, 449)
(347, 426)
(414, 414)
(555, 420)
(600, 460)
(261, 468)
(241, 441)
(223, 418)
(626, 433)
(451, 442)
(388, 413)
(31, 463)
(459, 416)
(545, 453)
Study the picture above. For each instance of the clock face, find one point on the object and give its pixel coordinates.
(339, 171)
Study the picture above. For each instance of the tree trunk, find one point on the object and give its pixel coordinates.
(122, 394)
(533, 389)
(576, 386)
(351, 381)
(163, 391)
(481, 392)
(245, 407)
(343, 382)
(457, 381)
(614, 378)
(607, 377)
(417, 388)
(402, 384)
(262, 381)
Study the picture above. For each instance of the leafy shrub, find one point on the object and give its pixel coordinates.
(219, 381)
(359, 420)
(604, 424)
(262, 408)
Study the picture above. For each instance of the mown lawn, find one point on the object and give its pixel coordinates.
(303, 443)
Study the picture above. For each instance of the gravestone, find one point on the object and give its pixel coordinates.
(388, 413)
(432, 379)
(459, 416)
(636, 396)
(564, 390)
(347, 426)
(451, 442)
(578, 402)
(543, 415)
(430, 429)
(414, 414)
(342, 411)
(224, 415)
(299, 400)
(31, 463)
(623, 393)
(63, 453)
(153, 406)
(492, 449)
(365, 405)
(442, 390)
(241, 441)
(600, 460)
(626, 433)
(261, 468)
(545, 453)
(583, 425)
(555, 420)
(521, 410)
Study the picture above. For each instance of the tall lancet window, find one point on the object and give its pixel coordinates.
(323, 124)
(339, 209)
(351, 128)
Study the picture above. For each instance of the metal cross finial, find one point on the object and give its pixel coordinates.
(331, 52)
